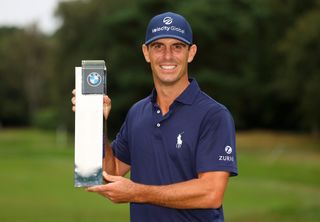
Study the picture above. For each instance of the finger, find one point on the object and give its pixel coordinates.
(111, 178)
(74, 92)
(106, 100)
(98, 188)
(73, 100)
(91, 189)
(106, 106)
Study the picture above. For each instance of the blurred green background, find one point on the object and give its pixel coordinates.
(259, 58)
(278, 180)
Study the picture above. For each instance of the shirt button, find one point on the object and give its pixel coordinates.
(158, 111)
(158, 124)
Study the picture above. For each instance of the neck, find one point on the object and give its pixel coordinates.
(166, 94)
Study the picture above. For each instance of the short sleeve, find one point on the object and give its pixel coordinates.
(120, 145)
(216, 149)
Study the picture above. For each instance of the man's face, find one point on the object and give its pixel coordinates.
(169, 59)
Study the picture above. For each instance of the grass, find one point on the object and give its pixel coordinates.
(37, 182)
(278, 180)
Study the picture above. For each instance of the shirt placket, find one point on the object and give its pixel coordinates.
(159, 121)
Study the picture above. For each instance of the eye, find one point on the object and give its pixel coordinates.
(156, 46)
(178, 47)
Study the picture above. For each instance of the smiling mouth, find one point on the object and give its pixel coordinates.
(171, 67)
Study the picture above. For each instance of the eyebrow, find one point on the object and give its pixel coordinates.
(155, 43)
(174, 44)
(180, 43)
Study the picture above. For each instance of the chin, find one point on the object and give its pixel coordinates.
(169, 81)
(168, 78)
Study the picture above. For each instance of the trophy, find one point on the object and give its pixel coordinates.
(89, 123)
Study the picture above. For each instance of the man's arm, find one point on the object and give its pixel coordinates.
(206, 191)
(113, 165)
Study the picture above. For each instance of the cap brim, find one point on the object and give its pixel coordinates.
(167, 36)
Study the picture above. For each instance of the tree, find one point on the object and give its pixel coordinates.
(24, 75)
(251, 57)
(300, 71)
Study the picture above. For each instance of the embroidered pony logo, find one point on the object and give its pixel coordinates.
(179, 140)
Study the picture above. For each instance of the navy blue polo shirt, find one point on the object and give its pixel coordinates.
(196, 135)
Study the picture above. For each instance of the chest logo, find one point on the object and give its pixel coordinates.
(179, 140)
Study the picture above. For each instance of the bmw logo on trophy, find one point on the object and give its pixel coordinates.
(89, 123)
(94, 79)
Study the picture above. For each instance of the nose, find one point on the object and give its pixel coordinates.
(167, 53)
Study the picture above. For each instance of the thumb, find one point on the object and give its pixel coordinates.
(110, 178)
(106, 106)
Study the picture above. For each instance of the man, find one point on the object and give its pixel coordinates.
(178, 143)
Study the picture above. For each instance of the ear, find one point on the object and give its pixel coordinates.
(192, 52)
(145, 51)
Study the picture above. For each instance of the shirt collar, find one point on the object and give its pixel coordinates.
(186, 97)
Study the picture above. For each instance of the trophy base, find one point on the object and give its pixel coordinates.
(94, 179)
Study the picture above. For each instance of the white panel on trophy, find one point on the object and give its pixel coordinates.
(89, 123)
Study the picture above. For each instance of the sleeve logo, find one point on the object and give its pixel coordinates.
(228, 149)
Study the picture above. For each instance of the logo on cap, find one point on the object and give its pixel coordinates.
(167, 20)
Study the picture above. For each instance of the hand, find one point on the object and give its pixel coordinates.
(106, 104)
(118, 190)
(73, 100)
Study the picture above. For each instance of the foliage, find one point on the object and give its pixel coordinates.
(300, 79)
(259, 58)
(25, 73)
(46, 119)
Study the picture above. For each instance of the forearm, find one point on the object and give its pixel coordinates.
(181, 195)
(112, 165)
(109, 161)
(196, 193)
